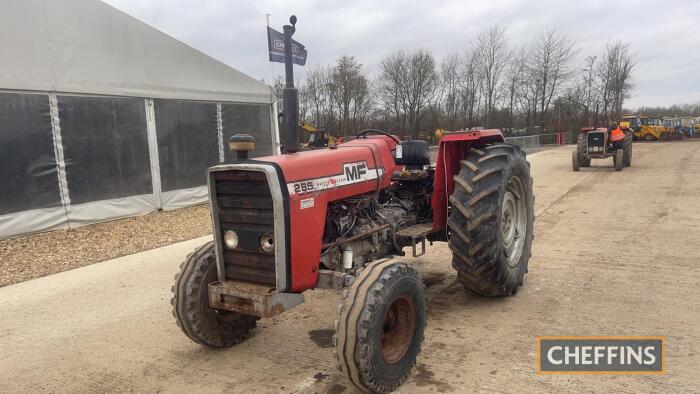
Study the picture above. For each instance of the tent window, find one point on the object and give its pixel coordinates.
(253, 119)
(105, 147)
(187, 142)
(28, 178)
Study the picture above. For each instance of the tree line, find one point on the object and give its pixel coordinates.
(491, 84)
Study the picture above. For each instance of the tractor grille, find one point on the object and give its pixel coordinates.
(596, 139)
(244, 203)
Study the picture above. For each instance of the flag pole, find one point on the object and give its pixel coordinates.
(275, 108)
(272, 71)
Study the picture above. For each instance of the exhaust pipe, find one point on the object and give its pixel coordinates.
(290, 95)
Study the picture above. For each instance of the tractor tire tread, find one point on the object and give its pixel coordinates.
(360, 305)
(476, 244)
(187, 308)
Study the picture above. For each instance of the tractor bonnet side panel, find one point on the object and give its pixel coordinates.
(315, 178)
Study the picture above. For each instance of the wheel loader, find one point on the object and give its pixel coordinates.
(339, 218)
(651, 129)
(594, 143)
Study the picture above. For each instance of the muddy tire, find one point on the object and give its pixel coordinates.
(649, 137)
(665, 136)
(581, 147)
(618, 159)
(201, 323)
(491, 220)
(574, 161)
(380, 328)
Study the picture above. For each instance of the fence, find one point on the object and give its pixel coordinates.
(532, 143)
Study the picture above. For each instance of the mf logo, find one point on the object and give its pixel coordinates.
(355, 171)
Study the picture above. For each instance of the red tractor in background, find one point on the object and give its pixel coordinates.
(594, 143)
(333, 218)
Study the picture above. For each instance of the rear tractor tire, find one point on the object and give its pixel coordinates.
(665, 136)
(618, 159)
(627, 154)
(491, 220)
(201, 323)
(574, 161)
(380, 328)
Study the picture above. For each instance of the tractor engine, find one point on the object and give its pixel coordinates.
(364, 228)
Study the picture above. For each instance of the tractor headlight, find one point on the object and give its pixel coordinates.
(267, 243)
(231, 239)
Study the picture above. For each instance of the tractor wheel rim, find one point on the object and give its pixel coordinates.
(397, 329)
(513, 221)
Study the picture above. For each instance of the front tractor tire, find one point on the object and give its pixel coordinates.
(380, 328)
(201, 323)
(491, 220)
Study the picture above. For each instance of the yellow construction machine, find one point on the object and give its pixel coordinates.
(650, 129)
(318, 138)
(642, 129)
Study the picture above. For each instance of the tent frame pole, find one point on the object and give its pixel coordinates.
(58, 151)
(153, 152)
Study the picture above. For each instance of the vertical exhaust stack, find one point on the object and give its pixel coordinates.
(290, 93)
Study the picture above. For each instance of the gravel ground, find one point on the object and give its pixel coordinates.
(33, 256)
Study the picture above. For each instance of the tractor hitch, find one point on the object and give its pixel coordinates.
(251, 299)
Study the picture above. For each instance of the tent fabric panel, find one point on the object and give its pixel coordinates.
(27, 157)
(187, 142)
(105, 147)
(253, 119)
(90, 47)
(23, 46)
(32, 221)
(100, 211)
(184, 197)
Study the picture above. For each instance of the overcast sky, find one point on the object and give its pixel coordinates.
(664, 35)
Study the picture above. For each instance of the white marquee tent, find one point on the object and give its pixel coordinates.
(103, 116)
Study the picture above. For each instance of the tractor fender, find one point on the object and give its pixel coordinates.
(451, 151)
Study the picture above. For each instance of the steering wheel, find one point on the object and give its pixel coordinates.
(363, 134)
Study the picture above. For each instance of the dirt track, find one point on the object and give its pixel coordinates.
(614, 254)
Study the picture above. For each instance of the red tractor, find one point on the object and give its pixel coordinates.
(333, 218)
(594, 143)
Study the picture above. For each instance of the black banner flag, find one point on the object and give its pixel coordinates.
(275, 45)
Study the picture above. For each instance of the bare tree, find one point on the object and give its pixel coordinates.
(470, 89)
(549, 64)
(492, 55)
(349, 87)
(420, 84)
(515, 74)
(615, 77)
(336, 98)
(407, 84)
(486, 85)
(448, 95)
(314, 95)
(391, 83)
